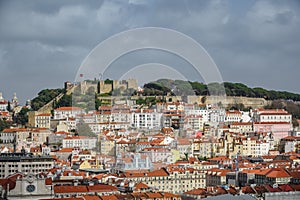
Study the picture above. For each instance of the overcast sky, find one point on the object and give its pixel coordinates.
(43, 43)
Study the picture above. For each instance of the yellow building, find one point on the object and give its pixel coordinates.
(204, 147)
(39, 120)
(230, 145)
(173, 179)
(85, 165)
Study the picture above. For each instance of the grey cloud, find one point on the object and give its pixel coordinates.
(42, 43)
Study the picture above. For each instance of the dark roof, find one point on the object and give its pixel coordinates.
(231, 197)
(18, 157)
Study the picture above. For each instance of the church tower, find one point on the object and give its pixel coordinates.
(15, 100)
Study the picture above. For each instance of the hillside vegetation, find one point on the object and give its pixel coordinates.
(164, 87)
(180, 87)
(44, 97)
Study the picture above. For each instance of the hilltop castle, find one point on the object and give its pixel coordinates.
(104, 86)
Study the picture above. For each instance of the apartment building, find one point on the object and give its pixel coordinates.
(272, 115)
(146, 119)
(233, 116)
(194, 121)
(172, 179)
(67, 112)
(25, 163)
(37, 135)
(278, 129)
(205, 147)
(83, 142)
(216, 177)
(242, 127)
(39, 120)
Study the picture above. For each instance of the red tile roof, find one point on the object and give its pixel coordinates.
(140, 186)
(278, 173)
(89, 197)
(68, 108)
(62, 189)
(65, 150)
(102, 188)
(286, 188)
(155, 173)
(109, 197)
(154, 195)
(199, 191)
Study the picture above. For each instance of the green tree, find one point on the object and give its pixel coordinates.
(295, 122)
(108, 81)
(9, 107)
(140, 101)
(44, 97)
(21, 117)
(66, 100)
(98, 103)
(3, 124)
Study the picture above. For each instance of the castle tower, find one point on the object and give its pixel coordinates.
(15, 100)
(1, 97)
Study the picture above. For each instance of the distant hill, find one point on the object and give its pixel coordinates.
(180, 87)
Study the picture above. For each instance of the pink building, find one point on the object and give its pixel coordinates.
(279, 129)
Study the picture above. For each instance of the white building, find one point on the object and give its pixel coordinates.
(272, 115)
(42, 120)
(199, 110)
(31, 135)
(24, 163)
(3, 103)
(216, 115)
(159, 154)
(120, 113)
(194, 121)
(67, 112)
(90, 117)
(233, 116)
(83, 142)
(254, 147)
(69, 123)
(146, 119)
(7, 136)
(262, 148)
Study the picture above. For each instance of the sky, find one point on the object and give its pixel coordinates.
(44, 43)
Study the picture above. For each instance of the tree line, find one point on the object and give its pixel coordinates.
(180, 87)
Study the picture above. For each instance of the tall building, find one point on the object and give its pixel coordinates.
(14, 100)
(25, 163)
(146, 119)
(3, 103)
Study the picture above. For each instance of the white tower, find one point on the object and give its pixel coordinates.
(1, 97)
(15, 100)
